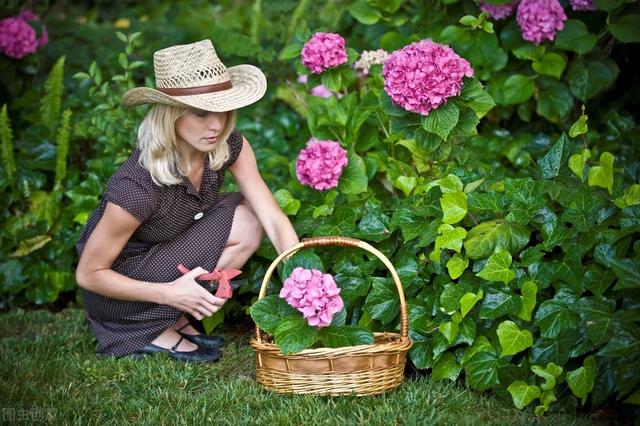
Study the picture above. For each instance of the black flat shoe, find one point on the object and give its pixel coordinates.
(202, 340)
(196, 355)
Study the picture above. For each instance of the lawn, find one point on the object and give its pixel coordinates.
(49, 373)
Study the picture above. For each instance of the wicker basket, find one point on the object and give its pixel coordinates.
(351, 370)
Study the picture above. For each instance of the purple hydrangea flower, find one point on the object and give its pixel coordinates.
(423, 75)
(323, 51)
(18, 38)
(540, 19)
(314, 294)
(498, 11)
(320, 164)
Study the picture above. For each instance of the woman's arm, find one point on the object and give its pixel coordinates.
(275, 223)
(107, 240)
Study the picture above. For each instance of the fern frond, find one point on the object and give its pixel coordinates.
(52, 99)
(62, 148)
(7, 144)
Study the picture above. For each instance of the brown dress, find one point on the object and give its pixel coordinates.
(178, 225)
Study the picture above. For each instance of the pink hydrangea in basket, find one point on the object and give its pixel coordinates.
(303, 344)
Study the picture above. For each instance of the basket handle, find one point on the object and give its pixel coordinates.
(343, 242)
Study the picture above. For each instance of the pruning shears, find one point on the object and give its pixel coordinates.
(224, 288)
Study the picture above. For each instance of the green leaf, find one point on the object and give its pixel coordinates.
(523, 394)
(446, 368)
(476, 97)
(454, 206)
(442, 120)
(30, 245)
(597, 312)
(579, 128)
(294, 334)
(480, 344)
(290, 52)
(497, 304)
(628, 273)
(483, 238)
(624, 343)
(517, 89)
(287, 203)
(383, 303)
(589, 76)
(555, 158)
(270, 311)
(468, 301)
(529, 290)
(449, 330)
(602, 175)
(578, 161)
(481, 371)
(554, 100)
(498, 267)
(450, 297)
(456, 265)
(448, 238)
(512, 339)
(364, 13)
(551, 64)
(546, 399)
(344, 335)
(555, 349)
(575, 37)
(304, 259)
(553, 318)
(332, 79)
(354, 177)
(608, 5)
(405, 184)
(549, 374)
(581, 380)
(626, 29)
(450, 183)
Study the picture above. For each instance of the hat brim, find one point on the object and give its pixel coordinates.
(249, 85)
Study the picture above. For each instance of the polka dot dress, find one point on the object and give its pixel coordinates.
(178, 225)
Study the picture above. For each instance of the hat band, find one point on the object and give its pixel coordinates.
(199, 90)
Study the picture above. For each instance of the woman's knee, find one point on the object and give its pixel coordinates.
(246, 229)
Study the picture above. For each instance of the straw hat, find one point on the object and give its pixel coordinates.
(192, 75)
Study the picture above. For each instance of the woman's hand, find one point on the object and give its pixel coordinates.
(186, 295)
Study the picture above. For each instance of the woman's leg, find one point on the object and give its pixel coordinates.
(244, 239)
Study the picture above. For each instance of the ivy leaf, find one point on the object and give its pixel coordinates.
(545, 349)
(581, 380)
(456, 265)
(344, 335)
(624, 343)
(446, 368)
(553, 318)
(554, 99)
(579, 127)
(497, 304)
(354, 177)
(454, 206)
(294, 334)
(383, 303)
(553, 160)
(512, 339)
(589, 76)
(481, 344)
(405, 184)
(449, 237)
(498, 267)
(449, 330)
(549, 374)
(602, 175)
(575, 37)
(468, 301)
(442, 120)
(529, 290)
(481, 371)
(523, 394)
(597, 313)
(449, 183)
(269, 312)
(578, 161)
(483, 238)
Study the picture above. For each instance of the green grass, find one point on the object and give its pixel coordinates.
(48, 363)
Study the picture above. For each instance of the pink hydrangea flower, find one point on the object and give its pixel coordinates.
(582, 5)
(18, 38)
(540, 19)
(320, 164)
(323, 51)
(321, 91)
(498, 11)
(423, 75)
(314, 294)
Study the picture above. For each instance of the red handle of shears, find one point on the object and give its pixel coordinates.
(223, 276)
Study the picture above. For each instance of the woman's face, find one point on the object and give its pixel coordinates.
(199, 129)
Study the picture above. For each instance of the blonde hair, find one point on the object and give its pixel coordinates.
(158, 144)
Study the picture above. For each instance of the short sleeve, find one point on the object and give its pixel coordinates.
(135, 197)
(235, 146)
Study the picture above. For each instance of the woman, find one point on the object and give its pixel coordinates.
(163, 208)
